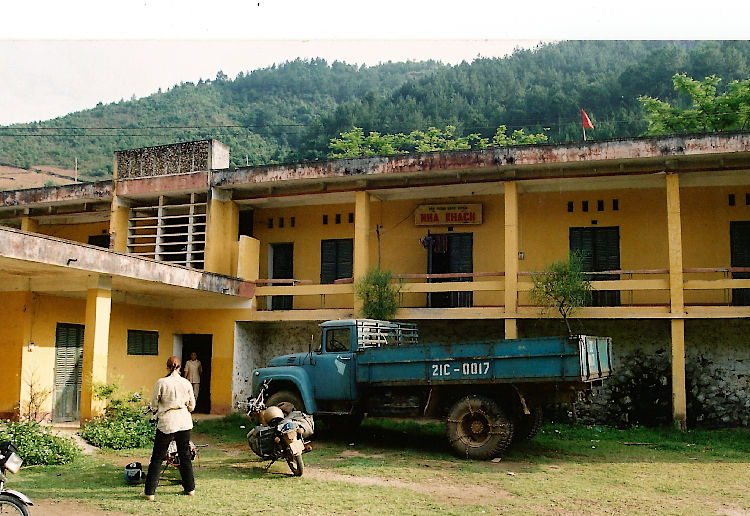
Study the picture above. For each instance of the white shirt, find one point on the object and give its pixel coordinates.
(173, 401)
(193, 371)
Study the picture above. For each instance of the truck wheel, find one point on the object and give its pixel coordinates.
(287, 401)
(477, 428)
(526, 426)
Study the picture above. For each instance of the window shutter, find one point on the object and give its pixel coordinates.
(345, 258)
(327, 261)
(68, 354)
(141, 342)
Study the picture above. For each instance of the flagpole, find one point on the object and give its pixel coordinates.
(584, 134)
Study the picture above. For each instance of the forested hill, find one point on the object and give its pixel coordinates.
(290, 111)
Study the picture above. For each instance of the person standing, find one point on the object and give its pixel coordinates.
(193, 372)
(173, 401)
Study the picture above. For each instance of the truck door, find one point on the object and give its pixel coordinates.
(333, 372)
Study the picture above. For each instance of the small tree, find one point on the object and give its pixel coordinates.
(378, 293)
(562, 286)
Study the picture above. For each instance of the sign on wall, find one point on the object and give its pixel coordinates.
(447, 214)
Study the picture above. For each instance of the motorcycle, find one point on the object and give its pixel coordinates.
(11, 502)
(278, 435)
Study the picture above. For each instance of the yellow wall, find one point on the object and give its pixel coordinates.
(400, 250)
(705, 234)
(642, 218)
(75, 232)
(138, 372)
(11, 349)
(46, 312)
(220, 324)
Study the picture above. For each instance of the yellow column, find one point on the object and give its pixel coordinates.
(29, 224)
(677, 301)
(361, 240)
(118, 226)
(511, 259)
(248, 259)
(27, 369)
(95, 342)
(222, 227)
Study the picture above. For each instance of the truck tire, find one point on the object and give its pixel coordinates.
(526, 426)
(477, 428)
(287, 401)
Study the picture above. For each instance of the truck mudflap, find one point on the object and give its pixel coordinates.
(596, 357)
(293, 374)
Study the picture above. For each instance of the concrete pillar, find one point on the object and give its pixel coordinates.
(222, 227)
(677, 301)
(248, 259)
(511, 259)
(29, 224)
(95, 343)
(361, 240)
(118, 226)
(28, 368)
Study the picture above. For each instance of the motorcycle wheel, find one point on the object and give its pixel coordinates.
(12, 506)
(296, 464)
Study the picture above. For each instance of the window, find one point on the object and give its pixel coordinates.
(338, 218)
(600, 205)
(336, 259)
(570, 206)
(337, 340)
(731, 199)
(142, 342)
(325, 219)
(99, 241)
(281, 222)
(585, 206)
(351, 218)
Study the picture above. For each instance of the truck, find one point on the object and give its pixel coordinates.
(489, 392)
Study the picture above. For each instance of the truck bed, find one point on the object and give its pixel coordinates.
(548, 359)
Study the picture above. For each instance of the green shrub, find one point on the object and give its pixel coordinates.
(36, 444)
(124, 423)
(378, 294)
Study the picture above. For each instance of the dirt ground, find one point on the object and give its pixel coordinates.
(66, 508)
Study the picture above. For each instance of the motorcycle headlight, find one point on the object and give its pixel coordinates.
(13, 463)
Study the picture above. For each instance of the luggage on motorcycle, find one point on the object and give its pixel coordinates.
(134, 473)
(261, 441)
(303, 420)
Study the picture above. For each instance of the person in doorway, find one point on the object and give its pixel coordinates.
(193, 372)
(172, 401)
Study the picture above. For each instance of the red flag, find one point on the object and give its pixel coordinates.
(586, 120)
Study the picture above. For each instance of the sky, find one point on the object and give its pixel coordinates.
(59, 57)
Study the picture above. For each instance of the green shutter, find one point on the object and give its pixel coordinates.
(142, 342)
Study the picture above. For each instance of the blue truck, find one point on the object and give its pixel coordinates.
(489, 392)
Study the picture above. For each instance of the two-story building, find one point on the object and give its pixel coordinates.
(180, 253)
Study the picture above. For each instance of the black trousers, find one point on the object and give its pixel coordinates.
(161, 443)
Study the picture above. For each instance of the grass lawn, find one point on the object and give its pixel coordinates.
(405, 468)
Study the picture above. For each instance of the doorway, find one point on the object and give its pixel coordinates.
(600, 251)
(200, 344)
(450, 253)
(739, 243)
(282, 267)
(68, 372)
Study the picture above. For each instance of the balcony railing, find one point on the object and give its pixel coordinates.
(645, 293)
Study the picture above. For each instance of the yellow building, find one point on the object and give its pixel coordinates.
(180, 253)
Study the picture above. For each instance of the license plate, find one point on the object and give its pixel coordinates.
(296, 446)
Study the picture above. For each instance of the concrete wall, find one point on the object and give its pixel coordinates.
(257, 343)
